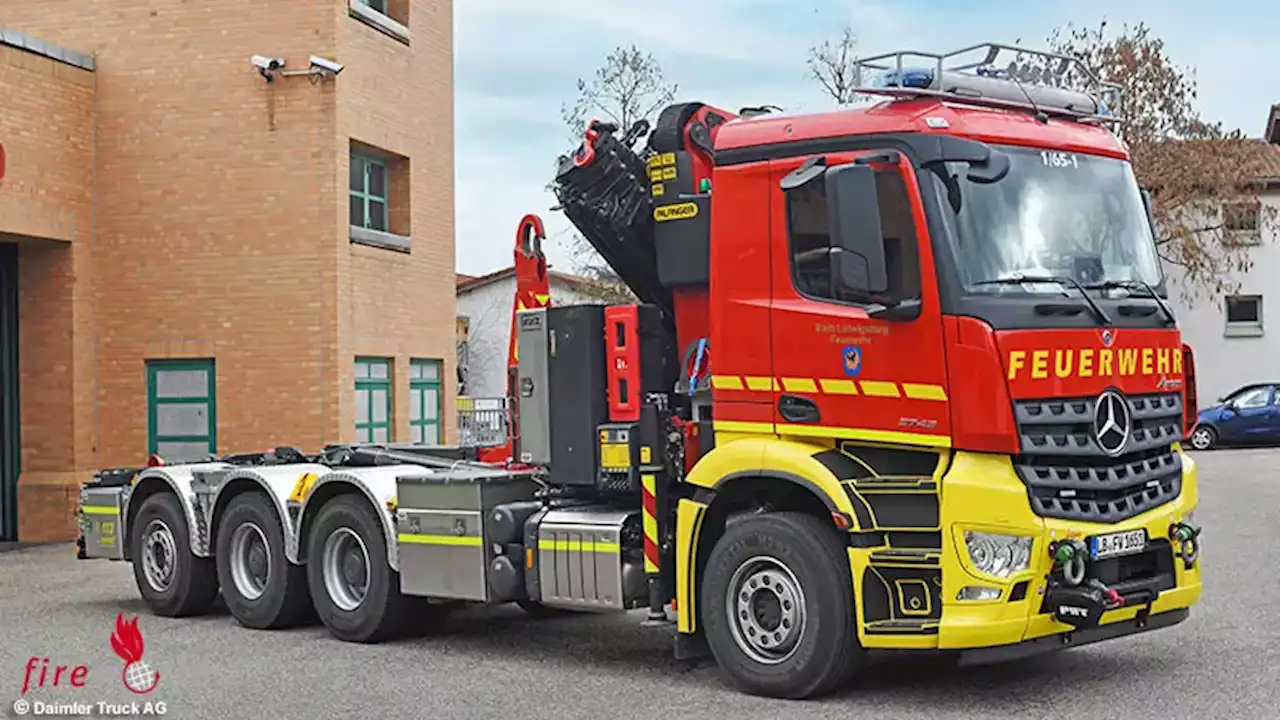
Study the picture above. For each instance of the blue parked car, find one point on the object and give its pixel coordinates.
(1247, 416)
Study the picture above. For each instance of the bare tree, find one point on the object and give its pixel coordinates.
(628, 87)
(834, 64)
(1203, 178)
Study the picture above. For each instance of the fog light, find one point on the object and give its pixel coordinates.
(978, 592)
(998, 555)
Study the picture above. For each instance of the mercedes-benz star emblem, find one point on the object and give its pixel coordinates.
(1112, 423)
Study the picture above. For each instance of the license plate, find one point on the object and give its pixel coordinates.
(1121, 543)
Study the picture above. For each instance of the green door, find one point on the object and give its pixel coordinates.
(182, 417)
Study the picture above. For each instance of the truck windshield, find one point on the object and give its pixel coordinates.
(1055, 214)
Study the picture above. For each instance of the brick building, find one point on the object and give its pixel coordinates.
(196, 259)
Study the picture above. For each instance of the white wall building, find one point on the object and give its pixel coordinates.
(484, 305)
(1236, 339)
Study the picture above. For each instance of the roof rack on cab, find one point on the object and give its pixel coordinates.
(1042, 82)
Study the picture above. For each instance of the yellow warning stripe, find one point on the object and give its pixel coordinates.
(452, 540)
(578, 546)
(891, 437)
(829, 386)
(100, 510)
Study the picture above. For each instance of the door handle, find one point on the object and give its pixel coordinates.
(798, 410)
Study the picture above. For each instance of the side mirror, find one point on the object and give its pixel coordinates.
(991, 170)
(853, 215)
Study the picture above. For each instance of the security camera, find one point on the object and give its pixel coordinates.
(267, 65)
(328, 66)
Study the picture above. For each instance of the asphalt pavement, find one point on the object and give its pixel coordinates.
(501, 664)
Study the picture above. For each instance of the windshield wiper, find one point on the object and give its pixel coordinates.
(1130, 285)
(1061, 280)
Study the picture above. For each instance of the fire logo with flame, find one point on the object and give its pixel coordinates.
(127, 641)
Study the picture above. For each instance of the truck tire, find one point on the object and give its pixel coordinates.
(261, 588)
(170, 578)
(777, 606)
(354, 591)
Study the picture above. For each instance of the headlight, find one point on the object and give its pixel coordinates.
(998, 555)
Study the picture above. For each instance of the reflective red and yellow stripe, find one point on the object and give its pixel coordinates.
(648, 485)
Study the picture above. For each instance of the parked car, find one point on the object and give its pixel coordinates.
(1249, 415)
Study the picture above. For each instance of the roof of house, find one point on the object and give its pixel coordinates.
(1271, 138)
(1268, 158)
(467, 283)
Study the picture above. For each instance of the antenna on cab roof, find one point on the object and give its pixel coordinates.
(1034, 80)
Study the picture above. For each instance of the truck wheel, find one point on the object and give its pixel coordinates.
(777, 606)
(172, 580)
(353, 588)
(262, 589)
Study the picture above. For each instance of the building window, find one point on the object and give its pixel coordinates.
(424, 401)
(390, 17)
(379, 192)
(1241, 223)
(181, 410)
(1244, 316)
(368, 192)
(373, 400)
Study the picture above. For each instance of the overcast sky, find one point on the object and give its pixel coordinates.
(517, 61)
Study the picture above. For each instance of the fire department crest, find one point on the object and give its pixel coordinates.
(851, 358)
(1107, 338)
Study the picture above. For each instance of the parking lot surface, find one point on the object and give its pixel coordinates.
(501, 664)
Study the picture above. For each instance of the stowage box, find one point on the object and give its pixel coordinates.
(448, 533)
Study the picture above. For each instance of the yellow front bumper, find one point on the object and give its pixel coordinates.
(983, 493)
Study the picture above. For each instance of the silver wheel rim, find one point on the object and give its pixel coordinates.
(346, 569)
(159, 555)
(1200, 439)
(250, 560)
(766, 610)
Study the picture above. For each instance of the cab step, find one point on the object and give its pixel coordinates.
(903, 627)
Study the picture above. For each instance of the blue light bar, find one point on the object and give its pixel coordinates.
(911, 78)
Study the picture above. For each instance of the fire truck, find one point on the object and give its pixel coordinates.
(897, 377)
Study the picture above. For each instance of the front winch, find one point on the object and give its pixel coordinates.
(1187, 537)
(1077, 599)
(1082, 605)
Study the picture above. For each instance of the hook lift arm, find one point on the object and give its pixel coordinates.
(533, 291)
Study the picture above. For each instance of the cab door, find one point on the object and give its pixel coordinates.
(846, 366)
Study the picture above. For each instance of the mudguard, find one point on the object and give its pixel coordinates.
(877, 488)
(178, 479)
(764, 456)
(279, 482)
(377, 484)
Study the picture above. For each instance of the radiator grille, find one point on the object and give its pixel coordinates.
(1069, 475)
